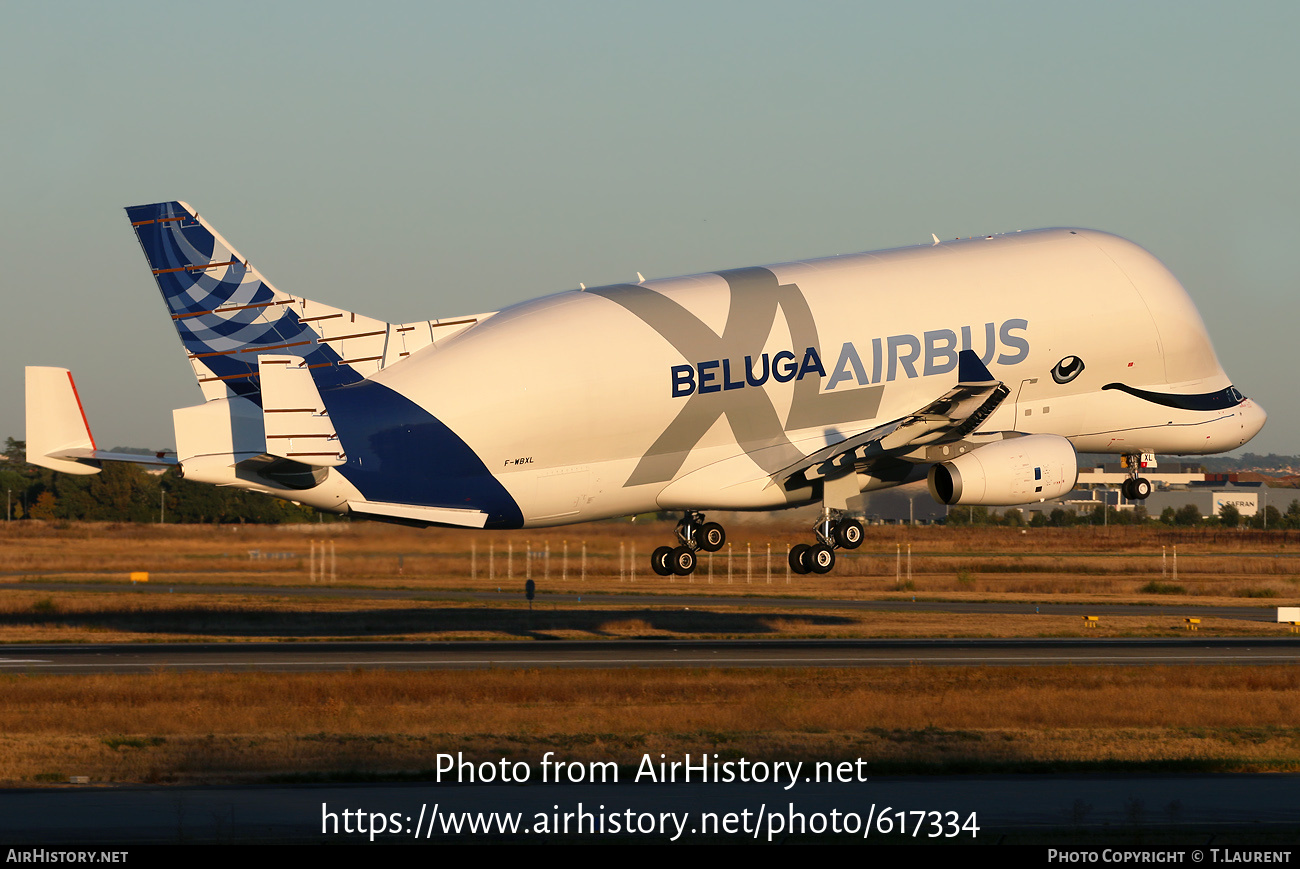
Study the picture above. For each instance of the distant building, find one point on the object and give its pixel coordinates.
(1248, 498)
(1163, 475)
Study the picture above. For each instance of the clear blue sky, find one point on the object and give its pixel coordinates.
(419, 160)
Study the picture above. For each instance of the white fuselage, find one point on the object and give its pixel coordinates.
(688, 393)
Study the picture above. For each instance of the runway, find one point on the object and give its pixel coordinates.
(613, 654)
(1265, 613)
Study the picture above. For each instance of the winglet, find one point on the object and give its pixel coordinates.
(55, 421)
(970, 369)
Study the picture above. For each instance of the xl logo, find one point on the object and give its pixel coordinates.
(755, 298)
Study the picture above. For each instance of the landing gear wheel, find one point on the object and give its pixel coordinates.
(1141, 489)
(799, 561)
(821, 558)
(848, 533)
(661, 561)
(683, 561)
(1126, 489)
(712, 537)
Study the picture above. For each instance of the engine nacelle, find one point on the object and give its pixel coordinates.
(1020, 470)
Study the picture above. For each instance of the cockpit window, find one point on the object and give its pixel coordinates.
(1221, 400)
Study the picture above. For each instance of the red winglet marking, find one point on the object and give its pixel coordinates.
(84, 422)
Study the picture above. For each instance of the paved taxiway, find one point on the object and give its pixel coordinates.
(326, 656)
(652, 599)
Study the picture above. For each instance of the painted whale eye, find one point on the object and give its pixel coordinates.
(1067, 369)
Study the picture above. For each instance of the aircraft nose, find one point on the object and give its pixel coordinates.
(1251, 418)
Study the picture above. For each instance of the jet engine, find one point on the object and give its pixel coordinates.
(1019, 470)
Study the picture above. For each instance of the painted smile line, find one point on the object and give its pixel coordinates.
(1224, 398)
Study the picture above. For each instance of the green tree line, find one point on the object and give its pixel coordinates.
(127, 493)
(1188, 516)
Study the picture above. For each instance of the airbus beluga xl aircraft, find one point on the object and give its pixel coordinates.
(982, 363)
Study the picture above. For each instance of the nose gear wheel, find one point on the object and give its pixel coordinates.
(1135, 488)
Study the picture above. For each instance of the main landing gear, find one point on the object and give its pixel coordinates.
(1135, 488)
(693, 534)
(833, 531)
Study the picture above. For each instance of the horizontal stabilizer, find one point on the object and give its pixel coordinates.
(157, 460)
(297, 425)
(58, 436)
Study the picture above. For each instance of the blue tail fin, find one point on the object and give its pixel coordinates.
(226, 313)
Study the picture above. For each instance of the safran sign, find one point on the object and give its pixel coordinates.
(1247, 503)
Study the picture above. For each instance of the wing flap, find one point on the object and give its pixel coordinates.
(949, 418)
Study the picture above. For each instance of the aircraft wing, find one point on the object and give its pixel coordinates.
(949, 418)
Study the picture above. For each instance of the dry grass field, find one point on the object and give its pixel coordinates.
(184, 727)
(1136, 565)
(1115, 566)
(187, 727)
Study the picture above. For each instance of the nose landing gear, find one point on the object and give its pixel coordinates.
(1137, 488)
(834, 530)
(693, 535)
